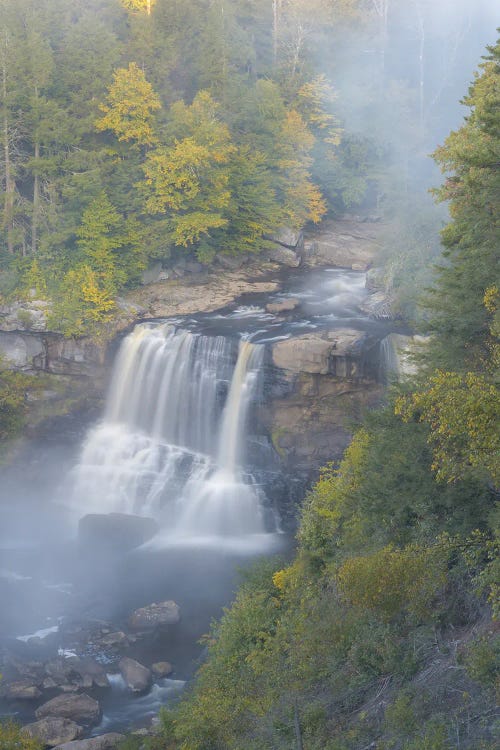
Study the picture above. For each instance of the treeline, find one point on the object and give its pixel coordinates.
(133, 131)
(383, 631)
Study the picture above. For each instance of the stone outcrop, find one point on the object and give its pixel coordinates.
(323, 381)
(137, 677)
(81, 708)
(155, 616)
(345, 243)
(330, 353)
(289, 237)
(53, 731)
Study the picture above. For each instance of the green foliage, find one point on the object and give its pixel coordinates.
(482, 661)
(12, 738)
(83, 305)
(391, 582)
(470, 160)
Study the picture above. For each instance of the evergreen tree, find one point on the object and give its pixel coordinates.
(470, 157)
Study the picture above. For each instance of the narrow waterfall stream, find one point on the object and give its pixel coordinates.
(172, 442)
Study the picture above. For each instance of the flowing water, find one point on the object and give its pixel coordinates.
(173, 440)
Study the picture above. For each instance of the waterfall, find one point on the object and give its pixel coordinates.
(172, 442)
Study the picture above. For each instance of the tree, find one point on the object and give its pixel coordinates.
(100, 235)
(469, 157)
(130, 106)
(188, 179)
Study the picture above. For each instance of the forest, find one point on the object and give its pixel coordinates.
(141, 131)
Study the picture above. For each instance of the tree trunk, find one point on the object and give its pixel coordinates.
(9, 183)
(296, 723)
(36, 203)
(276, 26)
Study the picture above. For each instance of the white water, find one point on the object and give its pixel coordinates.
(172, 443)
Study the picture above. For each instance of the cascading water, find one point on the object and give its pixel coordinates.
(172, 442)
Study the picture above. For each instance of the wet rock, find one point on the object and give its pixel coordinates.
(284, 256)
(360, 266)
(81, 709)
(285, 305)
(162, 669)
(154, 616)
(137, 677)
(21, 690)
(103, 742)
(92, 674)
(115, 531)
(53, 731)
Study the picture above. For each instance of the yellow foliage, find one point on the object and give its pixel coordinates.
(390, 580)
(130, 106)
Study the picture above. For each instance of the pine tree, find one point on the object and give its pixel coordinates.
(470, 157)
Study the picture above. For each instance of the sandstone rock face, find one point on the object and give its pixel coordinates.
(311, 425)
(344, 243)
(53, 731)
(22, 351)
(81, 709)
(334, 352)
(115, 530)
(154, 616)
(103, 742)
(137, 677)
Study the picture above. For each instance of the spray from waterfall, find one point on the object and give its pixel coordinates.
(173, 440)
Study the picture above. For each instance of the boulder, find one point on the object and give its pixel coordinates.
(81, 709)
(115, 531)
(284, 256)
(162, 669)
(288, 237)
(154, 616)
(285, 305)
(21, 690)
(53, 731)
(103, 742)
(137, 677)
